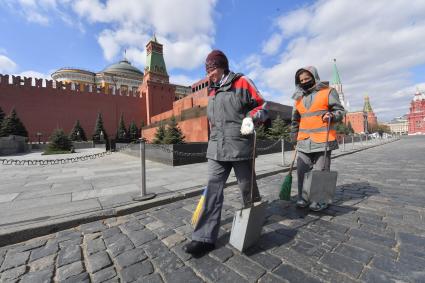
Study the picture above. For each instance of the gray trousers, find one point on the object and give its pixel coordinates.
(218, 172)
(309, 161)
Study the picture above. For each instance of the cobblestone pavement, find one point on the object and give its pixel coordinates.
(374, 232)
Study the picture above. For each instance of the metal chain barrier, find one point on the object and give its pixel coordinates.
(43, 162)
(268, 147)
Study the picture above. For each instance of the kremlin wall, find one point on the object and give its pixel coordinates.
(145, 98)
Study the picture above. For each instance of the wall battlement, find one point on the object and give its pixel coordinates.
(7, 81)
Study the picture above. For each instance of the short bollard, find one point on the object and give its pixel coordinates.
(352, 141)
(143, 196)
(343, 143)
(283, 152)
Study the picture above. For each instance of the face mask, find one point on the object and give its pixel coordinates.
(308, 85)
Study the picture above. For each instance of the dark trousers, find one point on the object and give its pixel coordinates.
(218, 172)
(309, 161)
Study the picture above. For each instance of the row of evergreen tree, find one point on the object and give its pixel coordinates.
(12, 125)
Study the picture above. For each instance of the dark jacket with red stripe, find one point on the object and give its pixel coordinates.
(228, 105)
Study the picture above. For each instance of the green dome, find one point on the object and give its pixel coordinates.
(123, 67)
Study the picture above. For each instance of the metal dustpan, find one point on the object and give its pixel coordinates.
(248, 222)
(320, 185)
(247, 226)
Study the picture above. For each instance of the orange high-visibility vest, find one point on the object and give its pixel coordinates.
(311, 124)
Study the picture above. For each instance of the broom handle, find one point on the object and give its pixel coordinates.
(293, 161)
(327, 141)
(252, 170)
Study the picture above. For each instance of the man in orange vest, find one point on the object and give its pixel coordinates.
(315, 102)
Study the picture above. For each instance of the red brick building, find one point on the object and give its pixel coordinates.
(416, 116)
(44, 105)
(362, 121)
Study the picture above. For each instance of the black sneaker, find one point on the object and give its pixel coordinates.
(196, 247)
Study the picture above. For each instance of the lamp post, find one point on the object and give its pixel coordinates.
(78, 136)
(101, 136)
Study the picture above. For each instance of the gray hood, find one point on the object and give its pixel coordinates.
(318, 86)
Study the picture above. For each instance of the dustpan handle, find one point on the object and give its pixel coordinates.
(327, 141)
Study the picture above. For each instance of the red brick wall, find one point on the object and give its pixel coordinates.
(42, 109)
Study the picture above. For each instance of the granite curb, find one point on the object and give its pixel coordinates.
(14, 236)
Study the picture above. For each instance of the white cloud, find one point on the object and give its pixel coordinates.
(6, 65)
(376, 45)
(186, 32)
(34, 74)
(271, 46)
(182, 80)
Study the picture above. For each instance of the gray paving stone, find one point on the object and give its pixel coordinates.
(42, 263)
(95, 245)
(155, 249)
(184, 274)
(73, 242)
(245, 267)
(80, 278)
(221, 253)
(214, 271)
(118, 244)
(111, 232)
(46, 250)
(67, 271)
(293, 274)
(33, 244)
(104, 274)
(68, 235)
(173, 240)
(135, 271)
(152, 278)
(130, 257)
(377, 239)
(376, 276)
(141, 237)
(178, 250)
(93, 227)
(40, 276)
(264, 259)
(163, 232)
(132, 225)
(167, 262)
(270, 278)
(343, 264)
(98, 261)
(13, 273)
(13, 260)
(355, 253)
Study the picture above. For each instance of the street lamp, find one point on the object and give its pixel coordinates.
(101, 135)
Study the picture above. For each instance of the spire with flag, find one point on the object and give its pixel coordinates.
(337, 85)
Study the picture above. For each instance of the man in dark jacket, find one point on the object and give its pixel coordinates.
(234, 104)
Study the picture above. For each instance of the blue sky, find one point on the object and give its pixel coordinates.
(378, 44)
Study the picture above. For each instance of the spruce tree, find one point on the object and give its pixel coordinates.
(278, 129)
(261, 132)
(59, 141)
(350, 128)
(122, 135)
(134, 131)
(173, 134)
(12, 125)
(160, 133)
(99, 128)
(77, 133)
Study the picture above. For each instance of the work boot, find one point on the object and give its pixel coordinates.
(302, 203)
(196, 248)
(318, 206)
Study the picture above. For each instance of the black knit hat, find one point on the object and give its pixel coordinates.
(216, 59)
